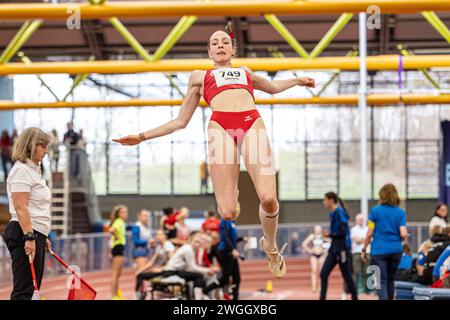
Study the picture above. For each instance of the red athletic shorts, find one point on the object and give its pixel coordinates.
(236, 124)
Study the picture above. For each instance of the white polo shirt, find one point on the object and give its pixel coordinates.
(26, 177)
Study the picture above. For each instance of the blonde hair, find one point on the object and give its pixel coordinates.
(389, 195)
(25, 146)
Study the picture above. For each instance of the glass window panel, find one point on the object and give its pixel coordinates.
(390, 166)
(289, 123)
(423, 122)
(291, 170)
(155, 167)
(321, 124)
(187, 159)
(194, 131)
(389, 123)
(350, 170)
(122, 169)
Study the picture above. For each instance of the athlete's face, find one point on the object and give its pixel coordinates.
(220, 47)
(327, 203)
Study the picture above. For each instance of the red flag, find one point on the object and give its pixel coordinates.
(79, 289)
(83, 291)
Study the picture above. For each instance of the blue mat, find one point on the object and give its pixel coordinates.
(431, 294)
(404, 289)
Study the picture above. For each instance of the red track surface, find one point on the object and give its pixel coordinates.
(294, 285)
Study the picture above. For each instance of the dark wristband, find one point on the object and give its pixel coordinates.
(30, 236)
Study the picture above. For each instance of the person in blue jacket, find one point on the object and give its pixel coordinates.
(387, 226)
(141, 237)
(339, 251)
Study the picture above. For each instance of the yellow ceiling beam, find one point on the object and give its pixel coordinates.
(383, 62)
(349, 99)
(128, 9)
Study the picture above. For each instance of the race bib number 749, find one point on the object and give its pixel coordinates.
(225, 76)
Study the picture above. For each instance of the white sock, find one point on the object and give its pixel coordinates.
(269, 223)
(198, 293)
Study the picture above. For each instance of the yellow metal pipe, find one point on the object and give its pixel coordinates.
(383, 62)
(348, 100)
(128, 9)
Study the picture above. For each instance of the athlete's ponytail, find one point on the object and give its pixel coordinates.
(336, 199)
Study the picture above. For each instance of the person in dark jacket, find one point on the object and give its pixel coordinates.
(228, 258)
(440, 243)
(339, 251)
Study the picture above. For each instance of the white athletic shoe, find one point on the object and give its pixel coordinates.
(276, 261)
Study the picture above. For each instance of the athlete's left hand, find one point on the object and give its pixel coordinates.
(307, 82)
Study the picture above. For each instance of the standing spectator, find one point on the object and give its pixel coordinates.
(203, 168)
(53, 150)
(141, 238)
(71, 140)
(313, 245)
(358, 233)
(117, 228)
(81, 144)
(6, 146)
(211, 223)
(339, 251)
(440, 217)
(29, 205)
(296, 244)
(14, 136)
(387, 227)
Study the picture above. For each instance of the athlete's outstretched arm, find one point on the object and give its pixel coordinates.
(187, 109)
(277, 86)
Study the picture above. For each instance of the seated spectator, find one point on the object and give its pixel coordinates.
(203, 260)
(423, 250)
(163, 252)
(211, 223)
(182, 264)
(442, 264)
(406, 270)
(213, 253)
(441, 242)
(167, 222)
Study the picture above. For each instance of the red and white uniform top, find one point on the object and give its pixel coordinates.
(221, 79)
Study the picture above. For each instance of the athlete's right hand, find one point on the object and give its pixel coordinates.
(130, 140)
